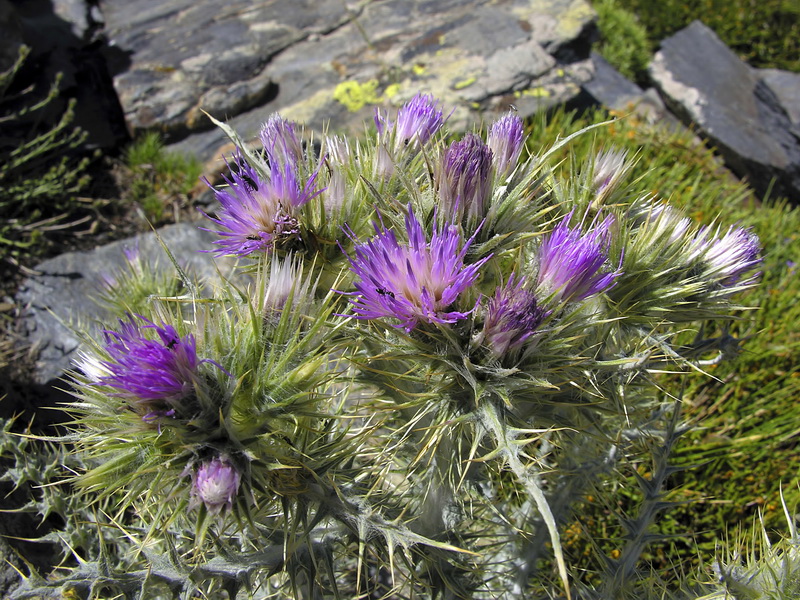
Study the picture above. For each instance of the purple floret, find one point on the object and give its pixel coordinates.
(216, 484)
(734, 254)
(571, 264)
(280, 141)
(513, 317)
(506, 140)
(257, 213)
(465, 182)
(414, 282)
(417, 120)
(151, 374)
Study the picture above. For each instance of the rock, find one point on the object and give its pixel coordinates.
(326, 65)
(60, 34)
(78, 15)
(786, 87)
(183, 51)
(705, 83)
(10, 35)
(60, 294)
(609, 87)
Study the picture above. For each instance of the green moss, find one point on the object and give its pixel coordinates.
(765, 33)
(624, 41)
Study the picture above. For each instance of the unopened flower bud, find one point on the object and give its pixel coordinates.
(506, 141)
(465, 179)
(216, 484)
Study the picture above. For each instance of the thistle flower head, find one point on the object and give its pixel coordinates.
(506, 140)
(414, 282)
(663, 221)
(607, 171)
(571, 264)
(216, 483)
(337, 149)
(285, 282)
(153, 375)
(256, 212)
(729, 257)
(417, 121)
(465, 182)
(280, 141)
(513, 316)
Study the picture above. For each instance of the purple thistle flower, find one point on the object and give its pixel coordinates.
(732, 255)
(506, 141)
(513, 316)
(215, 484)
(280, 141)
(417, 121)
(258, 213)
(465, 182)
(570, 264)
(153, 375)
(414, 282)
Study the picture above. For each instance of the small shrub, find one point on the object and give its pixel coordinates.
(40, 172)
(159, 179)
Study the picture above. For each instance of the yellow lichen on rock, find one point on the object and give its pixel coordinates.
(355, 95)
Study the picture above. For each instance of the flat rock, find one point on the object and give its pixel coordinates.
(328, 65)
(706, 84)
(59, 296)
(786, 87)
(609, 87)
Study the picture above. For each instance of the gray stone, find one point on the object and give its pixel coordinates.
(77, 14)
(705, 83)
(609, 87)
(182, 51)
(786, 87)
(10, 35)
(470, 54)
(60, 294)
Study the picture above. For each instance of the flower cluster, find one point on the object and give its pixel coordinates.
(445, 312)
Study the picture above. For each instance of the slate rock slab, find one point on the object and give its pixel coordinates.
(328, 64)
(609, 87)
(61, 293)
(705, 83)
(786, 87)
(182, 51)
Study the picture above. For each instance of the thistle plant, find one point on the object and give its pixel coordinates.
(430, 351)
